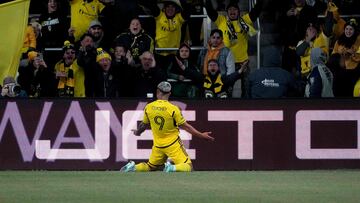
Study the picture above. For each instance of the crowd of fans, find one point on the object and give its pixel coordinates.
(108, 51)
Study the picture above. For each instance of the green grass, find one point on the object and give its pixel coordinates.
(242, 186)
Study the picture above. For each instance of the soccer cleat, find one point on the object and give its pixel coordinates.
(129, 167)
(169, 167)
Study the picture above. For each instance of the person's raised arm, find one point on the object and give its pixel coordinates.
(185, 12)
(211, 12)
(152, 6)
(190, 129)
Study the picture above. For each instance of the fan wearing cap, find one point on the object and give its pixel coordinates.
(69, 74)
(82, 13)
(165, 119)
(11, 89)
(314, 38)
(97, 31)
(105, 80)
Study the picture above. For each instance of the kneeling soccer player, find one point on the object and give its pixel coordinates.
(165, 119)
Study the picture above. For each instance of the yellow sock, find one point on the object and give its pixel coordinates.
(142, 167)
(184, 167)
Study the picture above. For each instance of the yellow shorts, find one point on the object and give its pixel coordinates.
(176, 152)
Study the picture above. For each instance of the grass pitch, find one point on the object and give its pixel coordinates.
(204, 186)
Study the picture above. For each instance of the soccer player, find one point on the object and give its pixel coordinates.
(165, 119)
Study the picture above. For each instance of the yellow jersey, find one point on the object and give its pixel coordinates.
(168, 31)
(238, 47)
(165, 119)
(82, 13)
(322, 42)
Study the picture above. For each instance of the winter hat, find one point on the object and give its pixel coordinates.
(8, 80)
(67, 45)
(352, 22)
(101, 54)
(164, 87)
(32, 55)
(95, 23)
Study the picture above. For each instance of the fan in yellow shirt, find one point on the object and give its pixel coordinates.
(165, 119)
(82, 13)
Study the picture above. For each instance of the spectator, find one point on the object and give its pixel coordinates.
(187, 76)
(237, 29)
(117, 15)
(348, 46)
(96, 30)
(147, 76)
(136, 40)
(271, 81)
(333, 23)
(10, 89)
(217, 85)
(314, 38)
(320, 79)
(194, 25)
(37, 30)
(35, 78)
(294, 22)
(82, 13)
(124, 70)
(106, 82)
(356, 92)
(87, 60)
(70, 77)
(53, 25)
(169, 21)
(218, 51)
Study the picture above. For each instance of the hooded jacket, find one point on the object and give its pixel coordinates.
(320, 80)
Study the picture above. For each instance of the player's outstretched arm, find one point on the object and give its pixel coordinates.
(140, 129)
(190, 129)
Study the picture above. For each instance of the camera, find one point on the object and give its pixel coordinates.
(12, 90)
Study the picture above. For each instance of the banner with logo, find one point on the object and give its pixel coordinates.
(249, 134)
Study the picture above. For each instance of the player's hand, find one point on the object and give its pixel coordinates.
(207, 136)
(136, 132)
